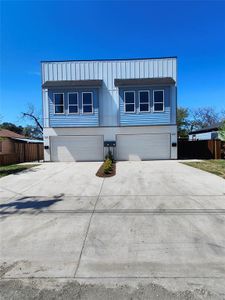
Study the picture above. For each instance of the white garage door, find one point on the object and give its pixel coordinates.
(143, 146)
(77, 148)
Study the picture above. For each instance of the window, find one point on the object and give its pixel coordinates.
(129, 102)
(158, 101)
(144, 101)
(73, 103)
(87, 102)
(59, 103)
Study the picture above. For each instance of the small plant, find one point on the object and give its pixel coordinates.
(107, 166)
(109, 155)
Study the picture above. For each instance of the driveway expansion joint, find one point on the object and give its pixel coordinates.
(88, 227)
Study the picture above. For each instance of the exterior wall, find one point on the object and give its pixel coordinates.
(109, 134)
(108, 71)
(73, 120)
(203, 136)
(145, 118)
(8, 146)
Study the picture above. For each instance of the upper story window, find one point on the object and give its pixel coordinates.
(158, 100)
(59, 103)
(144, 101)
(73, 103)
(129, 102)
(87, 102)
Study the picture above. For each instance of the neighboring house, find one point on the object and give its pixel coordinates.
(207, 133)
(129, 104)
(7, 141)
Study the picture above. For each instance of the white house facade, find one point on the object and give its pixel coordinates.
(126, 105)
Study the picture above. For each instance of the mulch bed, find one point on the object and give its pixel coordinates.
(101, 173)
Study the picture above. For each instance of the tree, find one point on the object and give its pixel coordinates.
(222, 131)
(203, 117)
(12, 127)
(34, 116)
(33, 132)
(183, 122)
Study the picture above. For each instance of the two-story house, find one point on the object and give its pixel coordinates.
(130, 102)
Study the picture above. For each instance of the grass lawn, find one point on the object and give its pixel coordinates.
(11, 169)
(215, 166)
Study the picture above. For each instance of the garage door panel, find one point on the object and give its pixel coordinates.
(77, 148)
(143, 146)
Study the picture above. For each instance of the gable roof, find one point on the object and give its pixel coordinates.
(10, 134)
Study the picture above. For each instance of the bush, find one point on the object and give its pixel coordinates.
(107, 166)
(109, 156)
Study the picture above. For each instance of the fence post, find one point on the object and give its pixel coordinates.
(38, 158)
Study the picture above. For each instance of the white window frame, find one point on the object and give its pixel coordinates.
(92, 104)
(73, 113)
(163, 102)
(124, 108)
(139, 99)
(63, 113)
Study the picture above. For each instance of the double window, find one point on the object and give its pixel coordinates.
(158, 100)
(59, 103)
(73, 106)
(129, 102)
(144, 101)
(87, 102)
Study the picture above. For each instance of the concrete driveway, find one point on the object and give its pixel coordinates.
(160, 224)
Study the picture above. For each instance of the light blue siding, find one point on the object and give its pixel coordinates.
(73, 120)
(145, 118)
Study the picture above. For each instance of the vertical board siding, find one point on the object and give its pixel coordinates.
(108, 71)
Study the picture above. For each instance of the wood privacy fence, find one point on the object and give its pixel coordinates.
(24, 152)
(205, 149)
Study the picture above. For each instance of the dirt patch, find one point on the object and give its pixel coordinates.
(101, 173)
(17, 289)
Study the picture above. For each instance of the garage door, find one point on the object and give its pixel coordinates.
(143, 146)
(77, 148)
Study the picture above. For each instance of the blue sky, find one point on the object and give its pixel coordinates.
(32, 31)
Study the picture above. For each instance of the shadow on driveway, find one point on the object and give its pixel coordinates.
(35, 204)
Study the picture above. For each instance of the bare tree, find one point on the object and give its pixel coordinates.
(33, 115)
(203, 117)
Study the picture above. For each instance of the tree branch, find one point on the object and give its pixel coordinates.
(30, 115)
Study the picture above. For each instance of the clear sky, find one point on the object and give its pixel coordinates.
(32, 31)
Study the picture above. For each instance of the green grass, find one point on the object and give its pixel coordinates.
(12, 169)
(216, 166)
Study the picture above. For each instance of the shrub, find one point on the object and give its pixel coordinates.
(107, 166)
(109, 155)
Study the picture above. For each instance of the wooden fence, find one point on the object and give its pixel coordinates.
(24, 152)
(201, 149)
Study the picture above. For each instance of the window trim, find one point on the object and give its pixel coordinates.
(92, 104)
(124, 105)
(73, 113)
(158, 111)
(63, 113)
(149, 106)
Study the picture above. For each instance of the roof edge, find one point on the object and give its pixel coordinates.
(108, 59)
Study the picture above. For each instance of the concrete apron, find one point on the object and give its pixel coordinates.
(159, 222)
